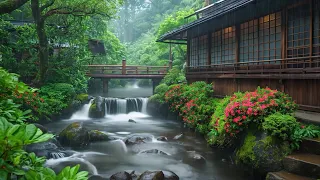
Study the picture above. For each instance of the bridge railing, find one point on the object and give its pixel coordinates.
(127, 69)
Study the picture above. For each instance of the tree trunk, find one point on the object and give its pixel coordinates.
(10, 5)
(43, 41)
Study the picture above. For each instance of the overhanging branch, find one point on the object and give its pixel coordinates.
(8, 6)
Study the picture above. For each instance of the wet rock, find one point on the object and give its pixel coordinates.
(97, 177)
(121, 176)
(162, 138)
(132, 121)
(96, 135)
(133, 173)
(158, 109)
(154, 151)
(138, 139)
(96, 109)
(75, 135)
(151, 175)
(41, 127)
(85, 165)
(194, 158)
(262, 152)
(48, 149)
(169, 175)
(178, 136)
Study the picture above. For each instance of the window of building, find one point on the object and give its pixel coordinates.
(270, 37)
(249, 41)
(203, 50)
(316, 28)
(194, 52)
(216, 48)
(298, 43)
(223, 48)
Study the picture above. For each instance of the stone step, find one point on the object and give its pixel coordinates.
(311, 146)
(308, 117)
(283, 175)
(303, 164)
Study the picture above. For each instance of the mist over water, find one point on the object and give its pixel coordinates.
(109, 157)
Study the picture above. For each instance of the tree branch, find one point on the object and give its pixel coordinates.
(8, 6)
(50, 3)
(77, 12)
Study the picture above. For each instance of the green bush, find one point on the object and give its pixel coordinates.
(58, 90)
(280, 125)
(82, 97)
(161, 89)
(156, 98)
(174, 76)
(303, 131)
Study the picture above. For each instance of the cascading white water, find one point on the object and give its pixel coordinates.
(83, 113)
(121, 106)
(57, 155)
(144, 105)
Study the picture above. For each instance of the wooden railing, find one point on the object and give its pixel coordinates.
(289, 65)
(127, 69)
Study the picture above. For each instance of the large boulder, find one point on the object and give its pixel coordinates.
(75, 135)
(96, 135)
(262, 153)
(48, 149)
(121, 176)
(138, 139)
(151, 175)
(97, 109)
(41, 127)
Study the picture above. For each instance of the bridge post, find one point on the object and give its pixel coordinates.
(105, 84)
(124, 63)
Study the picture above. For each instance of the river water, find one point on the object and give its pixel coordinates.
(107, 158)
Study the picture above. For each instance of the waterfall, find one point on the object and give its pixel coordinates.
(83, 113)
(123, 106)
(57, 155)
(144, 105)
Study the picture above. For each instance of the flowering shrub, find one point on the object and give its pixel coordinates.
(253, 107)
(193, 102)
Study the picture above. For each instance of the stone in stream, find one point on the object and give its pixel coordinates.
(41, 127)
(97, 177)
(121, 176)
(132, 121)
(162, 138)
(154, 151)
(178, 136)
(96, 135)
(169, 175)
(75, 135)
(97, 109)
(194, 158)
(138, 139)
(151, 175)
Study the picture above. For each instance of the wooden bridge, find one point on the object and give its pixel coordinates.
(124, 71)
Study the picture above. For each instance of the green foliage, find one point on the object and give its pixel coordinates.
(301, 132)
(174, 76)
(280, 125)
(9, 83)
(82, 97)
(10, 111)
(156, 98)
(61, 91)
(161, 89)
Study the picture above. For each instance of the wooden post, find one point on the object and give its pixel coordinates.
(170, 65)
(124, 63)
(105, 83)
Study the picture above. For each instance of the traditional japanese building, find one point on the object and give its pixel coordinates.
(241, 44)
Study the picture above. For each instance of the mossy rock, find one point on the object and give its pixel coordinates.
(262, 152)
(96, 135)
(151, 175)
(75, 135)
(82, 97)
(96, 110)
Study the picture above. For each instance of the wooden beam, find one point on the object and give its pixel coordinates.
(253, 76)
(209, 48)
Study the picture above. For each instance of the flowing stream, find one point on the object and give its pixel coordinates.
(109, 157)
